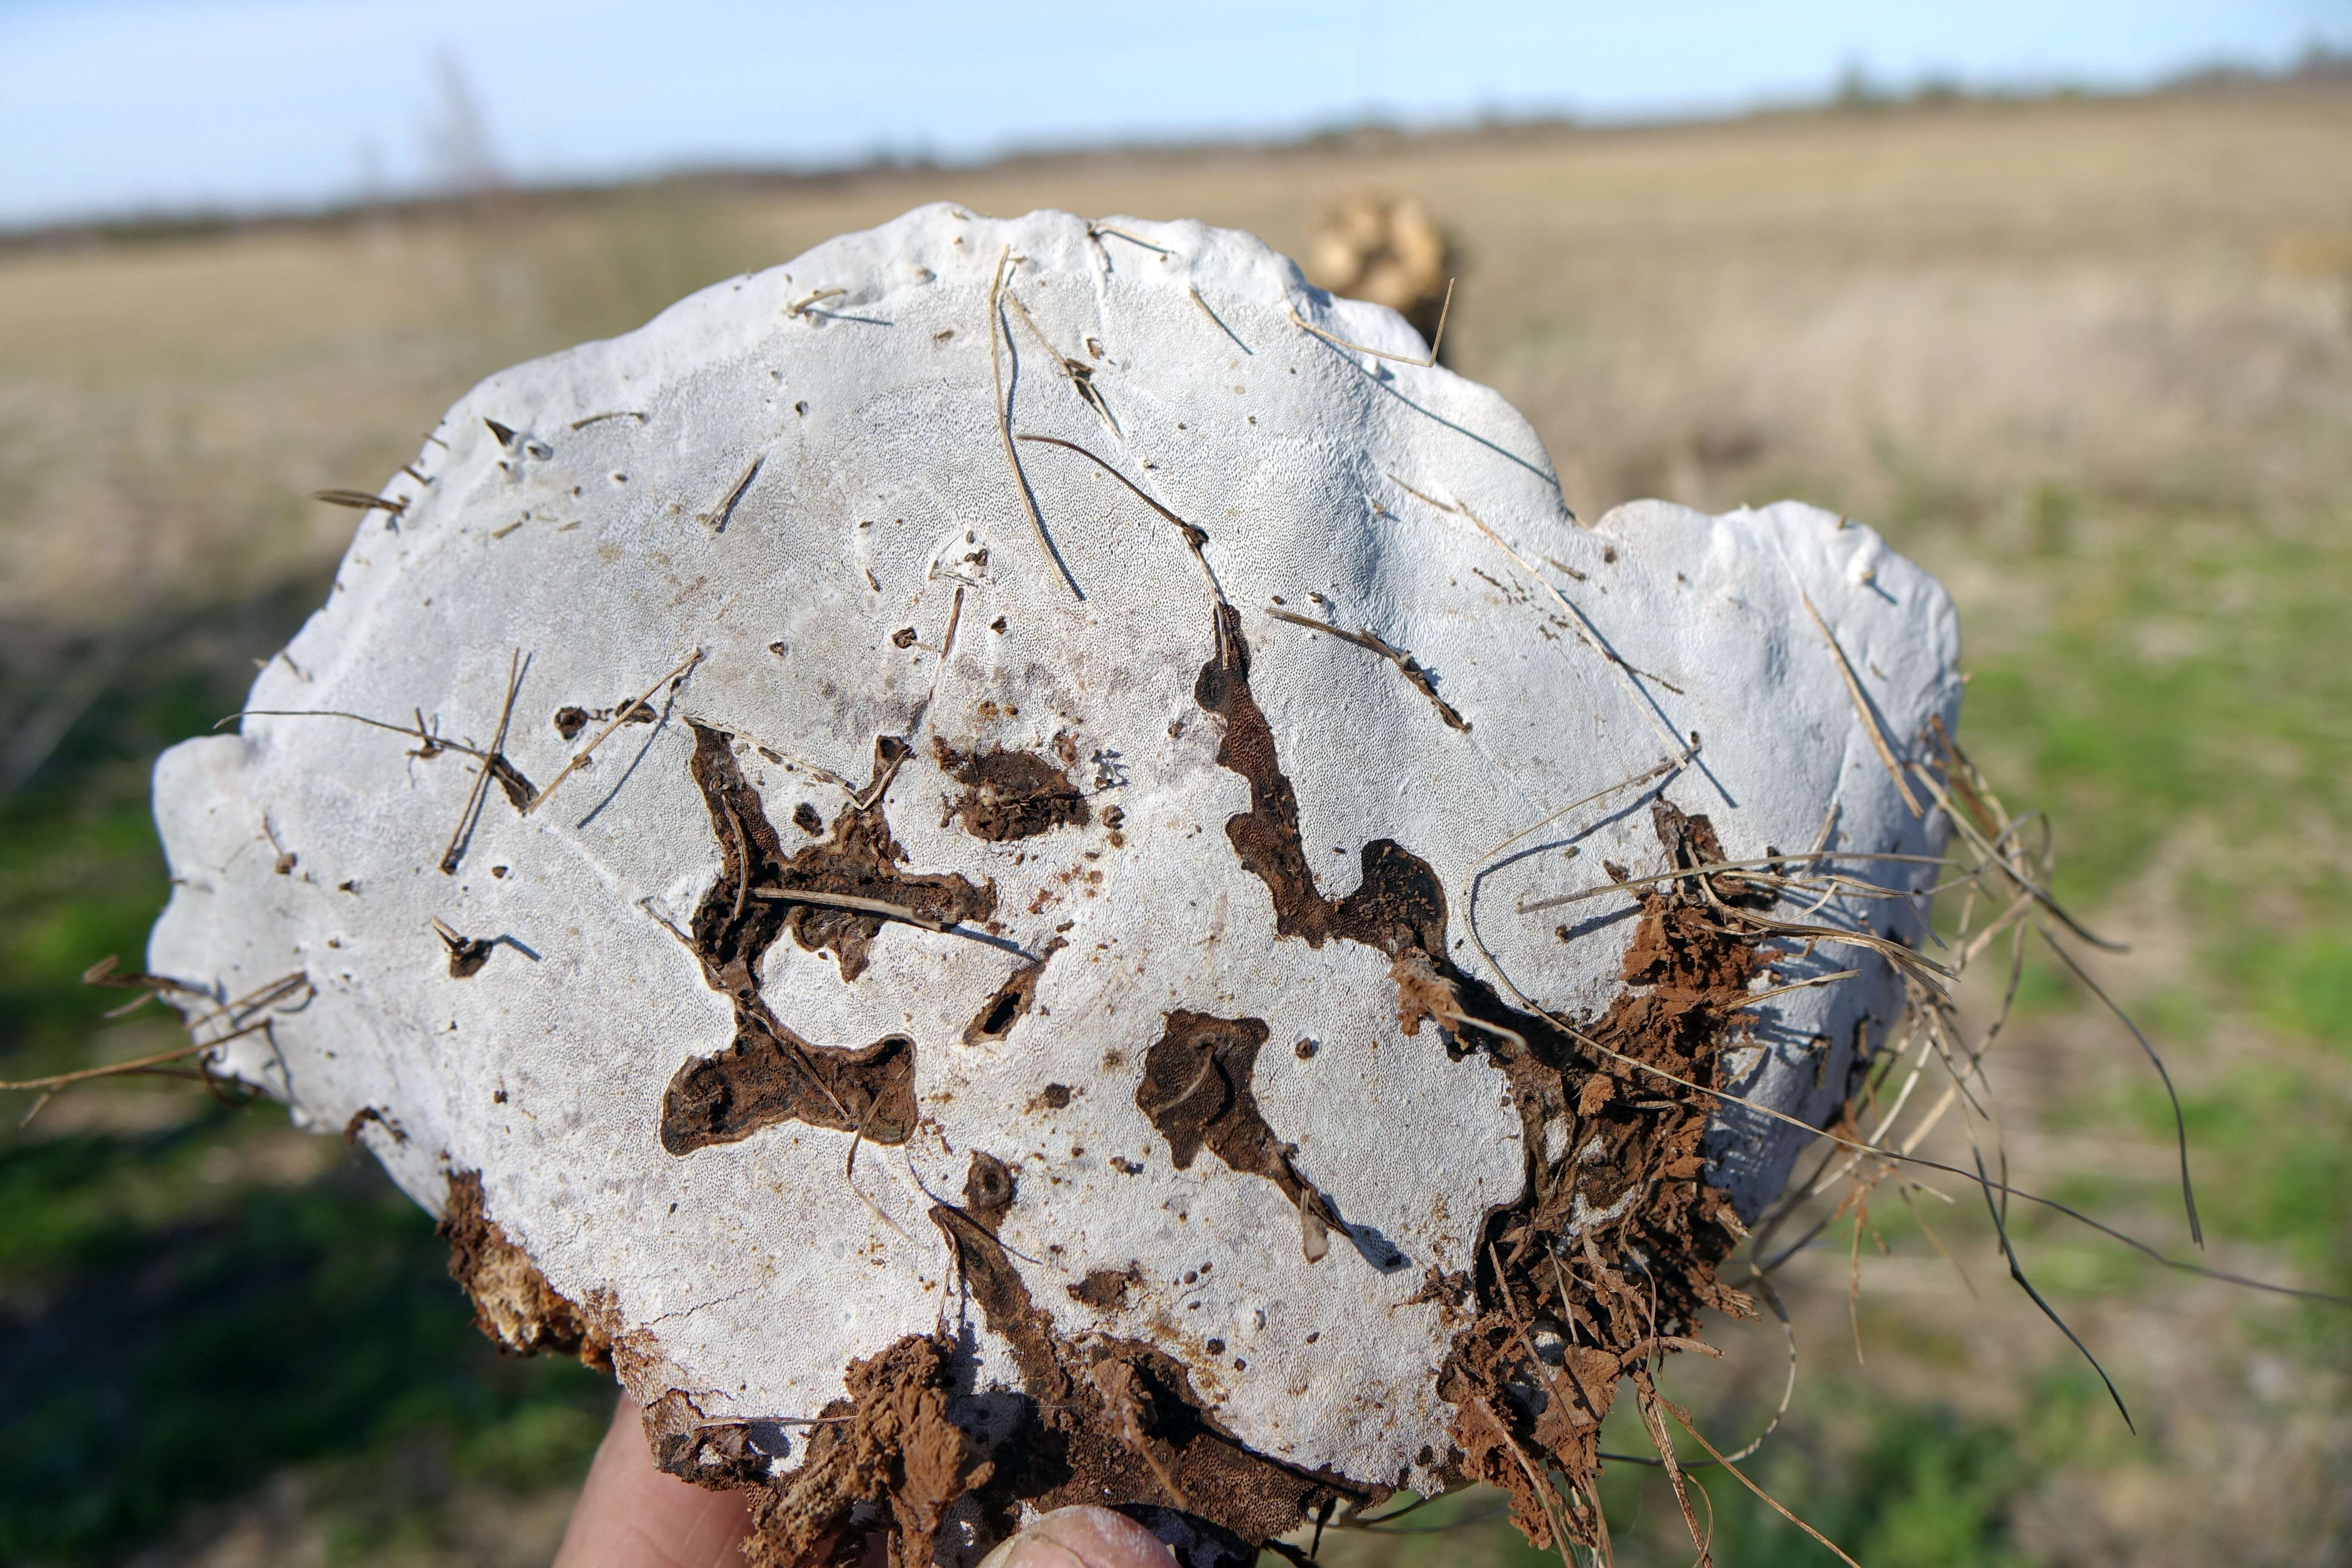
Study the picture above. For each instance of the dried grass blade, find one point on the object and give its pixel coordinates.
(719, 517)
(1005, 424)
(1219, 322)
(1682, 1416)
(1654, 1424)
(2009, 1255)
(1663, 765)
(1427, 361)
(56, 1081)
(2179, 1123)
(1074, 372)
(1407, 665)
(1752, 998)
(1098, 229)
(1863, 710)
(620, 716)
(1990, 849)
(413, 732)
(474, 798)
(861, 905)
(1589, 634)
(361, 501)
(1758, 863)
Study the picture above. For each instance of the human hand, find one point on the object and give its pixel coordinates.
(1082, 1538)
(631, 1515)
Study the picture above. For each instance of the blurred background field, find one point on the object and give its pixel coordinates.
(2089, 359)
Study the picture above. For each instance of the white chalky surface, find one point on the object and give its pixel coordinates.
(751, 1271)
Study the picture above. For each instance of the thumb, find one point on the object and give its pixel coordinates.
(1082, 1537)
(631, 1515)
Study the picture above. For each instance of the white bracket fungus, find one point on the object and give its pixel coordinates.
(981, 825)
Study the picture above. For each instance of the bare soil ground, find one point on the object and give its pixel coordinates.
(2091, 361)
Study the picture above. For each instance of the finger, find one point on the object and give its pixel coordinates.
(631, 1515)
(1082, 1538)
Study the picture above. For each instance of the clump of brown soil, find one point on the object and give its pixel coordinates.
(1605, 1264)
(1110, 1421)
(887, 1451)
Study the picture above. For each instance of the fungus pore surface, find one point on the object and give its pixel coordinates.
(1118, 906)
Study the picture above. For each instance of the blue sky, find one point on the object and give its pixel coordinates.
(118, 106)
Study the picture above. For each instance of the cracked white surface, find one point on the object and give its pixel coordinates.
(590, 541)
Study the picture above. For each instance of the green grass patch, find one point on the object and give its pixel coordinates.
(1915, 1485)
(171, 1357)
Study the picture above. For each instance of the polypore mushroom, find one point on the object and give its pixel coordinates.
(1018, 863)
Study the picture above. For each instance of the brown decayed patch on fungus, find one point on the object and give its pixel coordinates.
(1010, 794)
(752, 902)
(513, 1303)
(1196, 1093)
(769, 1074)
(1111, 1422)
(1398, 903)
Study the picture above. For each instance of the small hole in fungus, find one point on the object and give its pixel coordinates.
(1216, 1347)
(1001, 1014)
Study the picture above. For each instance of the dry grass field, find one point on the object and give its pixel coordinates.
(2091, 361)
